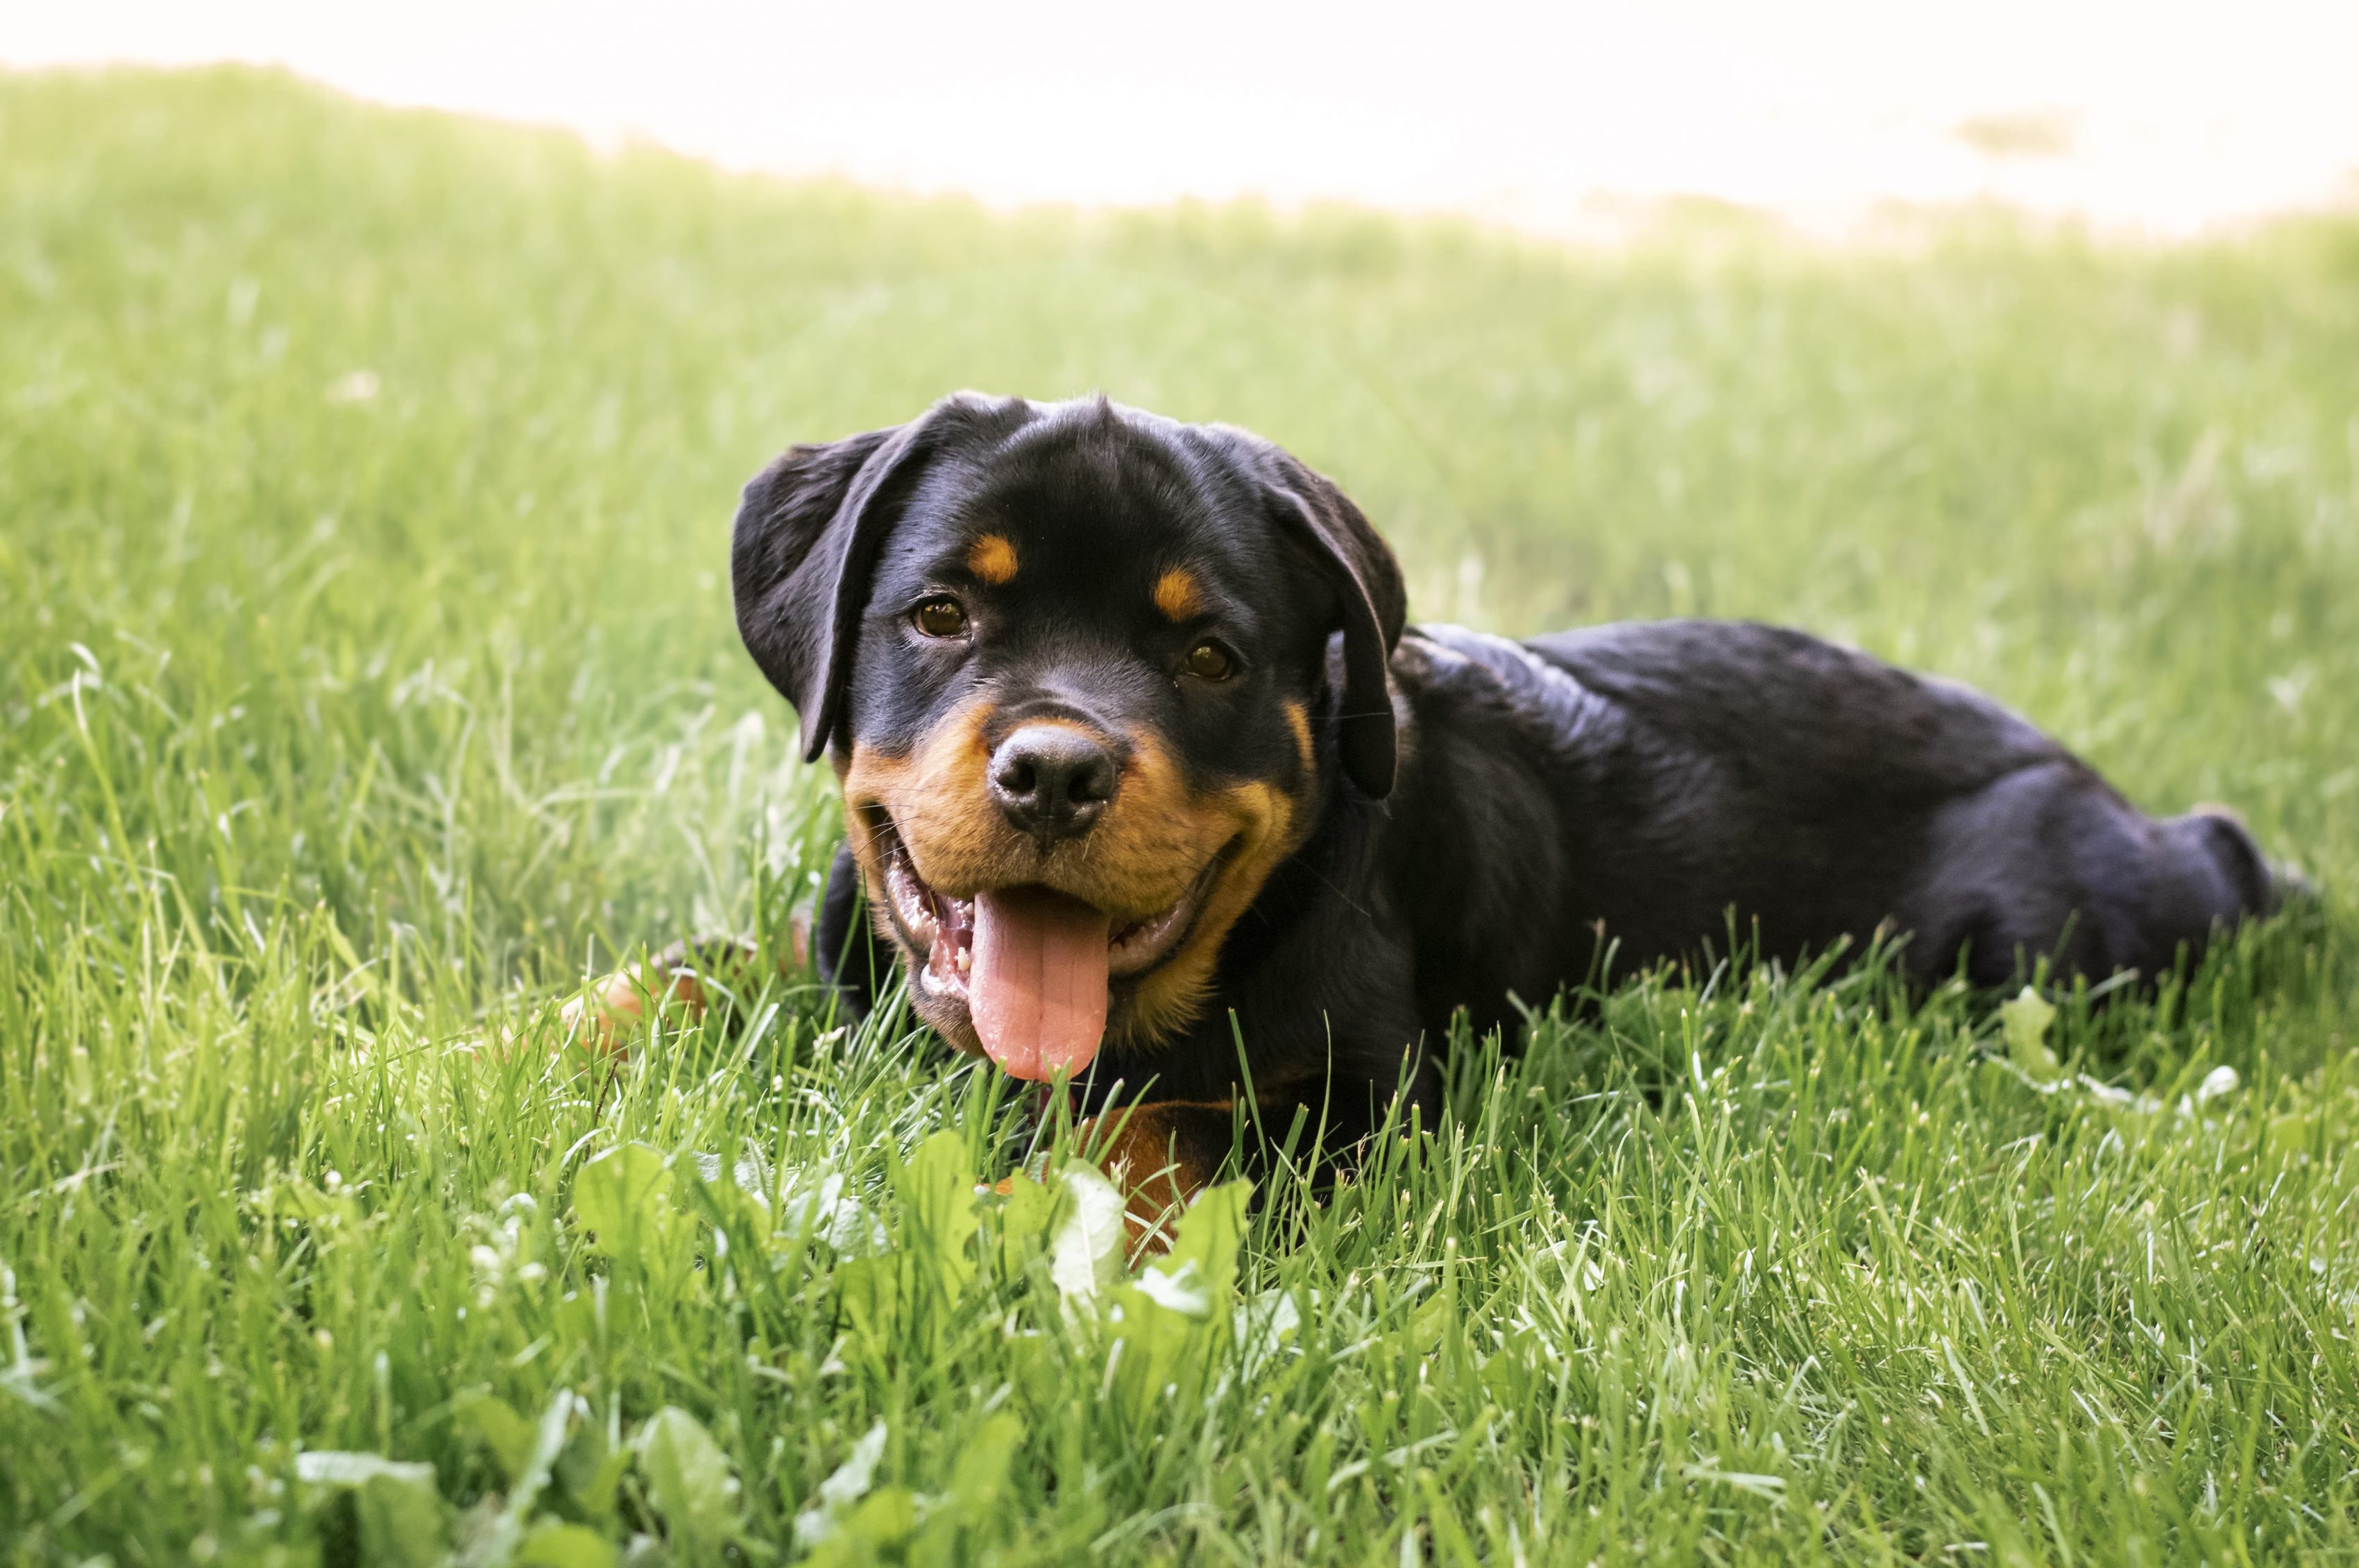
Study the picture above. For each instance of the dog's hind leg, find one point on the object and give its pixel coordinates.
(2204, 874)
(2050, 862)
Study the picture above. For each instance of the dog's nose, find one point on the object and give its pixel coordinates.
(1052, 781)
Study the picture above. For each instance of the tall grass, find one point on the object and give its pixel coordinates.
(369, 678)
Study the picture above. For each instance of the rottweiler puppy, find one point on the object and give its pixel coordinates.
(1147, 787)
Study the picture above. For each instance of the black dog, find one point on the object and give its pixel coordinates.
(1139, 763)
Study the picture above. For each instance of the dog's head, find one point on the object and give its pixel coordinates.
(1072, 664)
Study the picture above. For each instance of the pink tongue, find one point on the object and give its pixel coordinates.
(1038, 993)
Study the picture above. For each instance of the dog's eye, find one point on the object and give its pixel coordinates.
(1210, 661)
(940, 618)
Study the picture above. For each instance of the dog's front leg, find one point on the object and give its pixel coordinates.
(687, 975)
(1161, 1155)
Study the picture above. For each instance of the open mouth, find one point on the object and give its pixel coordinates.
(1032, 967)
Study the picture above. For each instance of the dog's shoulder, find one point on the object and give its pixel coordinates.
(1451, 669)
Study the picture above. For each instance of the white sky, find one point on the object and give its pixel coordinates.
(2172, 116)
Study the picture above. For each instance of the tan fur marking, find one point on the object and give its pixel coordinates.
(1161, 1156)
(1177, 595)
(1171, 996)
(992, 558)
(1298, 719)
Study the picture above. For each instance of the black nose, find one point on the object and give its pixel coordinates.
(1052, 781)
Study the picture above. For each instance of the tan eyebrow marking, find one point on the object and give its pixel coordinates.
(1177, 595)
(992, 558)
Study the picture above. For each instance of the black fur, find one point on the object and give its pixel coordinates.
(1489, 814)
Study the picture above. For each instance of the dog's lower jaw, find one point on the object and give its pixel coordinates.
(934, 934)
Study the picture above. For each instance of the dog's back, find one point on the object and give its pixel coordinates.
(1643, 785)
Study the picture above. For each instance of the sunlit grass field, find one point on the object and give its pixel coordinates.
(367, 677)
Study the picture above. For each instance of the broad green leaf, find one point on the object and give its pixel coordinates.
(1086, 1259)
(982, 1471)
(623, 1196)
(749, 1173)
(497, 1544)
(846, 1485)
(2222, 1080)
(851, 1478)
(496, 1421)
(331, 1467)
(687, 1477)
(1024, 1218)
(2024, 1021)
(1168, 1312)
(1266, 1323)
(870, 1289)
(877, 1526)
(589, 1468)
(403, 1524)
(739, 1195)
(1034, 1368)
(939, 1212)
(1430, 1323)
(566, 1546)
(402, 1520)
(1210, 1232)
(885, 1520)
(298, 1199)
(1181, 1290)
(972, 1509)
(816, 1206)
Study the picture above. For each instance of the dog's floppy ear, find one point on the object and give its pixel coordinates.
(1374, 603)
(808, 533)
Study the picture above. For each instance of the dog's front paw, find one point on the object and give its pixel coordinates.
(607, 1012)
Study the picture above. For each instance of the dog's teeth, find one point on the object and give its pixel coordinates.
(965, 960)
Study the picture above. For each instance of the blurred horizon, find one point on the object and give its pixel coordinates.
(1577, 121)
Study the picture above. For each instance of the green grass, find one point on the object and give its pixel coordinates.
(340, 733)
